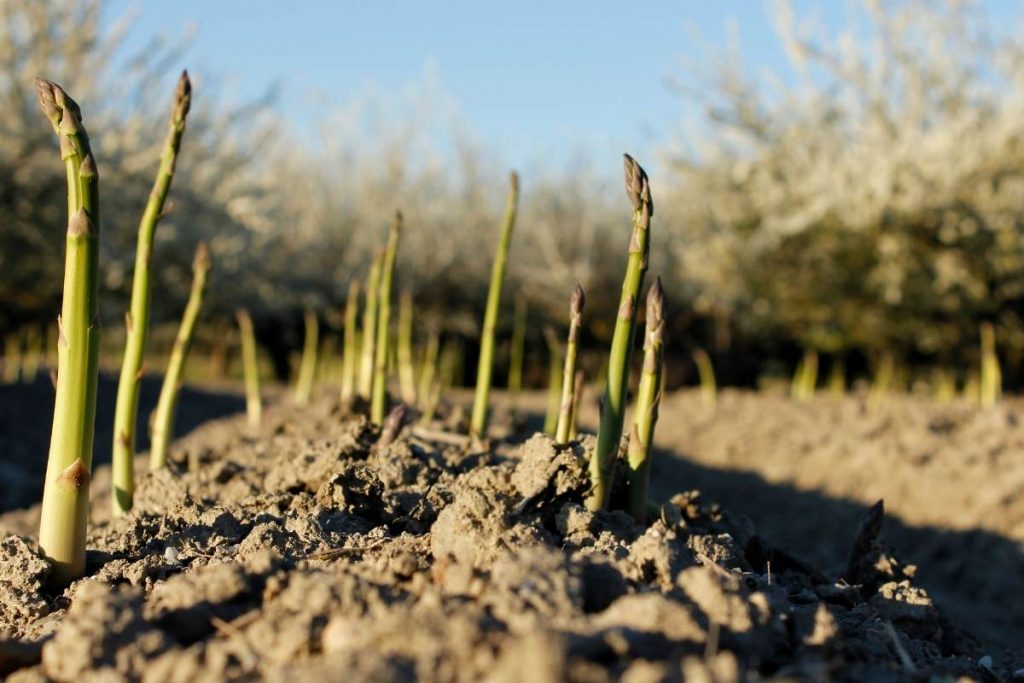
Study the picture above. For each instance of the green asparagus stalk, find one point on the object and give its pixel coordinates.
(602, 463)
(137, 318)
(251, 369)
(991, 376)
(517, 351)
(365, 386)
(554, 381)
(882, 383)
(706, 372)
(577, 399)
(945, 385)
(12, 359)
(481, 400)
(564, 426)
(348, 370)
(65, 508)
(837, 378)
(307, 367)
(406, 371)
(162, 424)
(648, 398)
(378, 405)
(428, 371)
(805, 379)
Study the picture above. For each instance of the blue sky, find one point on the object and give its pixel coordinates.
(530, 78)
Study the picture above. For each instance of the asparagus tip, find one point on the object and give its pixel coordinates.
(637, 185)
(513, 179)
(202, 257)
(656, 303)
(182, 97)
(47, 100)
(578, 301)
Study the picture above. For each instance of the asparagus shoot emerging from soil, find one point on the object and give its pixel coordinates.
(562, 430)
(648, 397)
(882, 382)
(837, 378)
(137, 318)
(366, 360)
(406, 370)
(307, 368)
(577, 399)
(805, 379)
(162, 425)
(378, 405)
(991, 376)
(706, 372)
(348, 367)
(251, 369)
(65, 508)
(428, 372)
(481, 400)
(554, 381)
(12, 359)
(517, 351)
(609, 434)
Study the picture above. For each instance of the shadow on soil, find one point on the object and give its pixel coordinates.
(26, 412)
(974, 576)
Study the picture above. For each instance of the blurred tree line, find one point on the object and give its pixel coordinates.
(871, 201)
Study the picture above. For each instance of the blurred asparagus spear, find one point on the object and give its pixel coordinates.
(348, 369)
(576, 303)
(481, 399)
(367, 354)
(307, 367)
(378, 404)
(251, 369)
(406, 371)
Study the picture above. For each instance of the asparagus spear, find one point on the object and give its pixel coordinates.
(577, 399)
(481, 400)
(251, 369)
(366, 361)
(706, 372)
(991, 376)
(137, 318)
(348, 370)
(406, 371)
(602, 463)
(516, 354)
(648, 398)
(307, 368)
(554, 381)
(12, 359)
(378, 405)
(162, 425)
(562, 431)
(64, 514)
(429, 369)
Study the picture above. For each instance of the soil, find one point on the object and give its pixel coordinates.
(312, 551)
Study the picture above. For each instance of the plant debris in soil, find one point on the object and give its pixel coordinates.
(311, 552)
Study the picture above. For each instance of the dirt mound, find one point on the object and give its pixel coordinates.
(309, 552)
